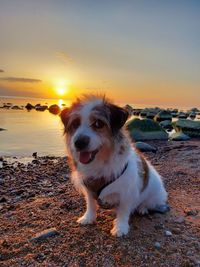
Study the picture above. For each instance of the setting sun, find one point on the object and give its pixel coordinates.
(61, 91)
(62, 87)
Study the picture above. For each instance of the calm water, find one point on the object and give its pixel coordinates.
(28, 132)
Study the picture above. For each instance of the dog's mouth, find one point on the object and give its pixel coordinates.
(85, 157)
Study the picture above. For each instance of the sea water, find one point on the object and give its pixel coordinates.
(32, 131)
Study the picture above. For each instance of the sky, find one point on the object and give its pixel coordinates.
(143, 51)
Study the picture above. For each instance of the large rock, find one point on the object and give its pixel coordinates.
(166, 125)
(182, 115)
(146, 129)
(194, 110)
(188, 127)
(41, 108)
(150, 112)
(144, 147)
(179, 136)
(192, 115)
(54, 109)
(163, 115)
(137, 111)
(29, 106)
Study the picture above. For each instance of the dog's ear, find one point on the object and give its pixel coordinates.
(118, 117)
(64, 115)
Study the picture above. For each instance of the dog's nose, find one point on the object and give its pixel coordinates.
(82, 142)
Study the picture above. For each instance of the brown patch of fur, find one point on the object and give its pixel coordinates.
(144, 172)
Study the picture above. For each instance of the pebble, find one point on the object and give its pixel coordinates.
(168, 233)
(51, 232)
(176, 231)
(157, 245)
(191, 212)
(179, 220)
(159, 226)
(3, 199)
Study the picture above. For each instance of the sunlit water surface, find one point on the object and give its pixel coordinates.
(33, 131)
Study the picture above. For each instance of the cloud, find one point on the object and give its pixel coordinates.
(65, 57)
(1, 70)
(19, 79)
(6, 91)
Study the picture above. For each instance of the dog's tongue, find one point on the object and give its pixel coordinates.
(85, 157)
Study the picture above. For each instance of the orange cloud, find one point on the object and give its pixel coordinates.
(19, 79)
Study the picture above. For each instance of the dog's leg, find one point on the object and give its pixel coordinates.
(120, 224)
(90, 215)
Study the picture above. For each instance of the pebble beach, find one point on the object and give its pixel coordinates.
(39, 208)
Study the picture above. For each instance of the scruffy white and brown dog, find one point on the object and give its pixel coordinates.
(105, 166)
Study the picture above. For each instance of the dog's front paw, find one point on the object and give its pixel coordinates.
(86, 219)
(120, 229)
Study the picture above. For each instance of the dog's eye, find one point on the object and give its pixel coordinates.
(75, 124)
(98, 124)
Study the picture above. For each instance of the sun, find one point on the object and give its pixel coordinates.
(61, 91)
(62, 87)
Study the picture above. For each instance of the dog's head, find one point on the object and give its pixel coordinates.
(91, 127)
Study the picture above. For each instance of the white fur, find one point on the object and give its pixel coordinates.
(127, 189)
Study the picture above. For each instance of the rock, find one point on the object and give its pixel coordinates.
(168, 233)
(177, 231)
(157, 245)
(45, 234)
(174, 114)
(150, 112)
(179, 220)
(143, 112)
(192, 115)
(191, 212)
(34, 155)
(159, 226)
(41, 108)
(166, 125)
(7, 105)
(3, 200)
(54, 109)
(182, 115)
(136, 112)
(35, 161)
(141, 130)
(188, 127)
(194, 110)
(16, 108)
(29, 106)
(144, 147)
(163, 115)
(179, 136)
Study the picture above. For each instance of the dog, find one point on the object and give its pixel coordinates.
(106, 167)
